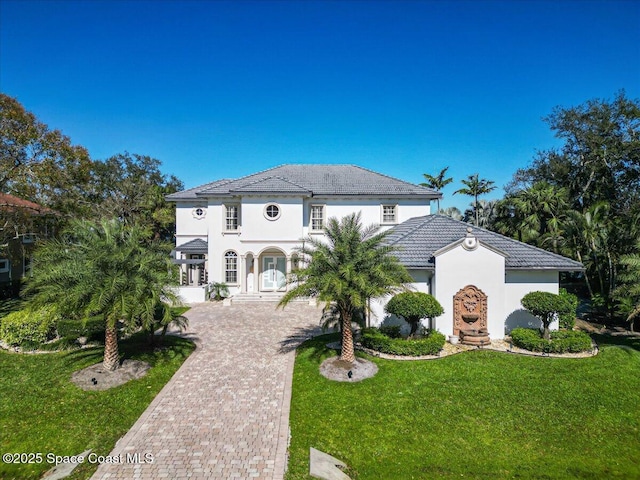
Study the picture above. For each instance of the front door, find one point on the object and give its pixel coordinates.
(273, 273)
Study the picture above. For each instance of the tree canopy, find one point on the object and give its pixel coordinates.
(43, 166)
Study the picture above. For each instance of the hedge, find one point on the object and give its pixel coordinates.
(375, 340)
(28, 328)
(93, 328)
(562, 341)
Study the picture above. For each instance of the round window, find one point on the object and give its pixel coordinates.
(272, 211)
(199, 212)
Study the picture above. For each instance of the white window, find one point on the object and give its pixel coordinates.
(317, 218)
(232, 217)
(272, 211)
(4, 265)
(231, 267)
(199, 213)
(389, 214)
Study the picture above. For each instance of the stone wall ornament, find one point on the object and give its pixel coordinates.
(470, 311)
(470, 242)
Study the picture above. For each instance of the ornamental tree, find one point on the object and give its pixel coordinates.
(347, 268)
(547, 307)
(414, 306)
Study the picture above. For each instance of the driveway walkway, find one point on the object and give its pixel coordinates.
(225, 413)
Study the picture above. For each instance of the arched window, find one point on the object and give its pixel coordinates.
(231, 267)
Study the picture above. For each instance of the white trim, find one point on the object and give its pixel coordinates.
(272, 204)
(395, 214)
(226, 218)
(323, 217)
(225, 270)
(199, 213)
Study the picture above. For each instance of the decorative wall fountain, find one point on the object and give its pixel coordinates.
(470, 316)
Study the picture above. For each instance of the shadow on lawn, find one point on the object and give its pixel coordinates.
(625, 340)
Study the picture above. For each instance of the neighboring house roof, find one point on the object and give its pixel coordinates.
(12, 203)
(312, 180)
(194, 246)
(419, 238)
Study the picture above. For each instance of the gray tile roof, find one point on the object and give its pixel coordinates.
(418, 238)
(316, 180)
(192, 192)
(194, 246)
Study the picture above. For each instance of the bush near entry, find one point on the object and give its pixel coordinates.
(562, 341)
(414, 306)
(430, 345)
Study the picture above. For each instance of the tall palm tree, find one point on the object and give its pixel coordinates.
(437, 183)
(348, 267)
(474, 188)
(107, 269)
(628, 292)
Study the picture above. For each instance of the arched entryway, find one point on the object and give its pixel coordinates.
(273, 270)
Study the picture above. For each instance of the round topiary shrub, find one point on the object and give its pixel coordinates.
(28, 327)
(561, 341)
(373, 339)
(547, 307)
(414, 306)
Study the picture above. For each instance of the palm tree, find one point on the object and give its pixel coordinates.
(452, 212)
(486, 213)
(474, 188)
(107, 269)
(347, 268)
(437, 183)
(628, 292)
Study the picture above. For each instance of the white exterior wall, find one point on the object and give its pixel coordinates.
(518, 284)
(422, 283)
(187, 226)
(483, 268)
(257, 234)
(371, 209)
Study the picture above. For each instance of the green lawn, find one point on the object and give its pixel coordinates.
(42, 411)
(480, 414)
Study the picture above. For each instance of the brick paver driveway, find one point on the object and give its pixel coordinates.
(225, 413)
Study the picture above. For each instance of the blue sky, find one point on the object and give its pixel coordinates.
(223, 89)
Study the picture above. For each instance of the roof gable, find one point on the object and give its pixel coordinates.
(194, 246)
(270, 185)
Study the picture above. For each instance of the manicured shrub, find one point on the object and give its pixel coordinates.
(413, 306)
(28, 327)
(567, 318)
(375, 340)
(391, 331)
(562, 341)
(546, 306)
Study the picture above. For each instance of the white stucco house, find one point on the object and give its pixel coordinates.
(244, 232)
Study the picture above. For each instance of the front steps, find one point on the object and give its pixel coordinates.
(273, 297)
